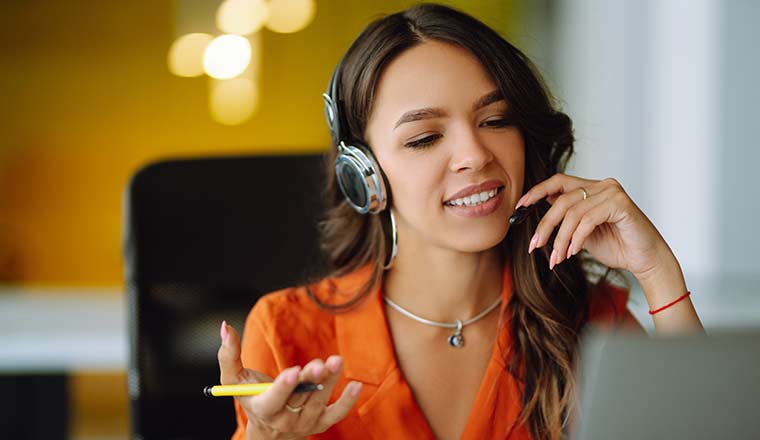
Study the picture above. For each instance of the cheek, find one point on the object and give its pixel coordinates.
(512, 160)
(414, 183)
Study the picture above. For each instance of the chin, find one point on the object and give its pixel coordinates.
(478, 242)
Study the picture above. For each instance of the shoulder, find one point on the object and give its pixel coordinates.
(281, 304)
(608, 307)
(291, 312)
(292, 317)
(607, 299)
(286, 328)
(295, 303)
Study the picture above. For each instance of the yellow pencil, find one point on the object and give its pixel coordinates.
(254, 389)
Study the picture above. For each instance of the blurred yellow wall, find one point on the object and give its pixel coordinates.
(87, 99)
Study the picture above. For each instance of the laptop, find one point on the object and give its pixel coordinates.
(633, 386)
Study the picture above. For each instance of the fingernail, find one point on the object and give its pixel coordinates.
(552, 258)
(317, 370)
(533, 242)
(520, 202)
(356, 388)
(333, 364)
(292, 376)
(223, 332)
(570, 251)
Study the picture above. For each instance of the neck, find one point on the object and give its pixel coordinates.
(444, 285)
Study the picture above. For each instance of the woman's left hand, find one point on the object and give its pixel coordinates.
(605, 222)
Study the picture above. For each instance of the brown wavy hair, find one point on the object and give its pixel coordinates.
(547, 309)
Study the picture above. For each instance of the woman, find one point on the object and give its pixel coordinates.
(469, 327)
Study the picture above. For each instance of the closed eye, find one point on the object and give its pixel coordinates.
(431, 139)
(497, 123)
(423, 142)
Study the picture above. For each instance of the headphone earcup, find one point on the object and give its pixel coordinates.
(360, 179)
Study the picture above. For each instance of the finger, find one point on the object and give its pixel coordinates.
(230, 365)
(314, 372)
(552, 219)
(600, 214)
(569, 224)
(251, 376)
(556, 184)
(338, 410)
(272, 401)
(298, 400)
(317, 401)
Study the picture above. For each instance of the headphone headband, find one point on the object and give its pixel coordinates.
(333, 105)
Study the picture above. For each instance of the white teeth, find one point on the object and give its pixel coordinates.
(474, 199)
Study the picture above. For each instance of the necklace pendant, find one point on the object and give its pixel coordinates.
(457, 340)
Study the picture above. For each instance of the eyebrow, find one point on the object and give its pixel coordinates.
(431, 112)
(488, 99)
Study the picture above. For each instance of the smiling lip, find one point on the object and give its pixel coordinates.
(480, 210)
(475, 189)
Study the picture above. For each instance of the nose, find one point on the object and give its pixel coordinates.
(469, 152)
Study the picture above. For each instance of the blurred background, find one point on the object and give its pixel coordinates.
(663, 95)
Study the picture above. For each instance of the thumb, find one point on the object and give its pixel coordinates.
(230, 365)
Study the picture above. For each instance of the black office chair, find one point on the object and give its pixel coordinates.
(203, 240)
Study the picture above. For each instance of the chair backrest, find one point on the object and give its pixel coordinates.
(203, 240)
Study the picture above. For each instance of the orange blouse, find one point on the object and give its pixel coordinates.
(287, 328)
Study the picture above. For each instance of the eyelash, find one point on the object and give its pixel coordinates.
(424, 142)
(430, 140)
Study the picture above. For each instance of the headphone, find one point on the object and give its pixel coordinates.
(359, 176)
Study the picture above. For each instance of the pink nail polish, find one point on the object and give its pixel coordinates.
(334, 364)
(292, 377)
(223, 332)
(569, 251)
(520, 202)
(552, 258)
(288, 376)
(356, 388)
(317, 370)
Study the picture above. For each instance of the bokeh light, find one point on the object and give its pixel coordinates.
(286, 16)
(242, 17)
(233, 101)
(227, 56)
(186, 54)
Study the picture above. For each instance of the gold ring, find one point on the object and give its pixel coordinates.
(296, 409)
(585, 195)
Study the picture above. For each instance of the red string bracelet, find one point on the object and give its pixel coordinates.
(652, 312)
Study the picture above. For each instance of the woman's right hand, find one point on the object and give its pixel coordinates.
(277, 413)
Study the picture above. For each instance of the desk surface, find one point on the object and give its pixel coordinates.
(55, 330)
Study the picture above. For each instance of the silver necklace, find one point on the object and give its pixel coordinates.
(456, 339)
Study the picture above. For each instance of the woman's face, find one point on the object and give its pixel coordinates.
(437, 127)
